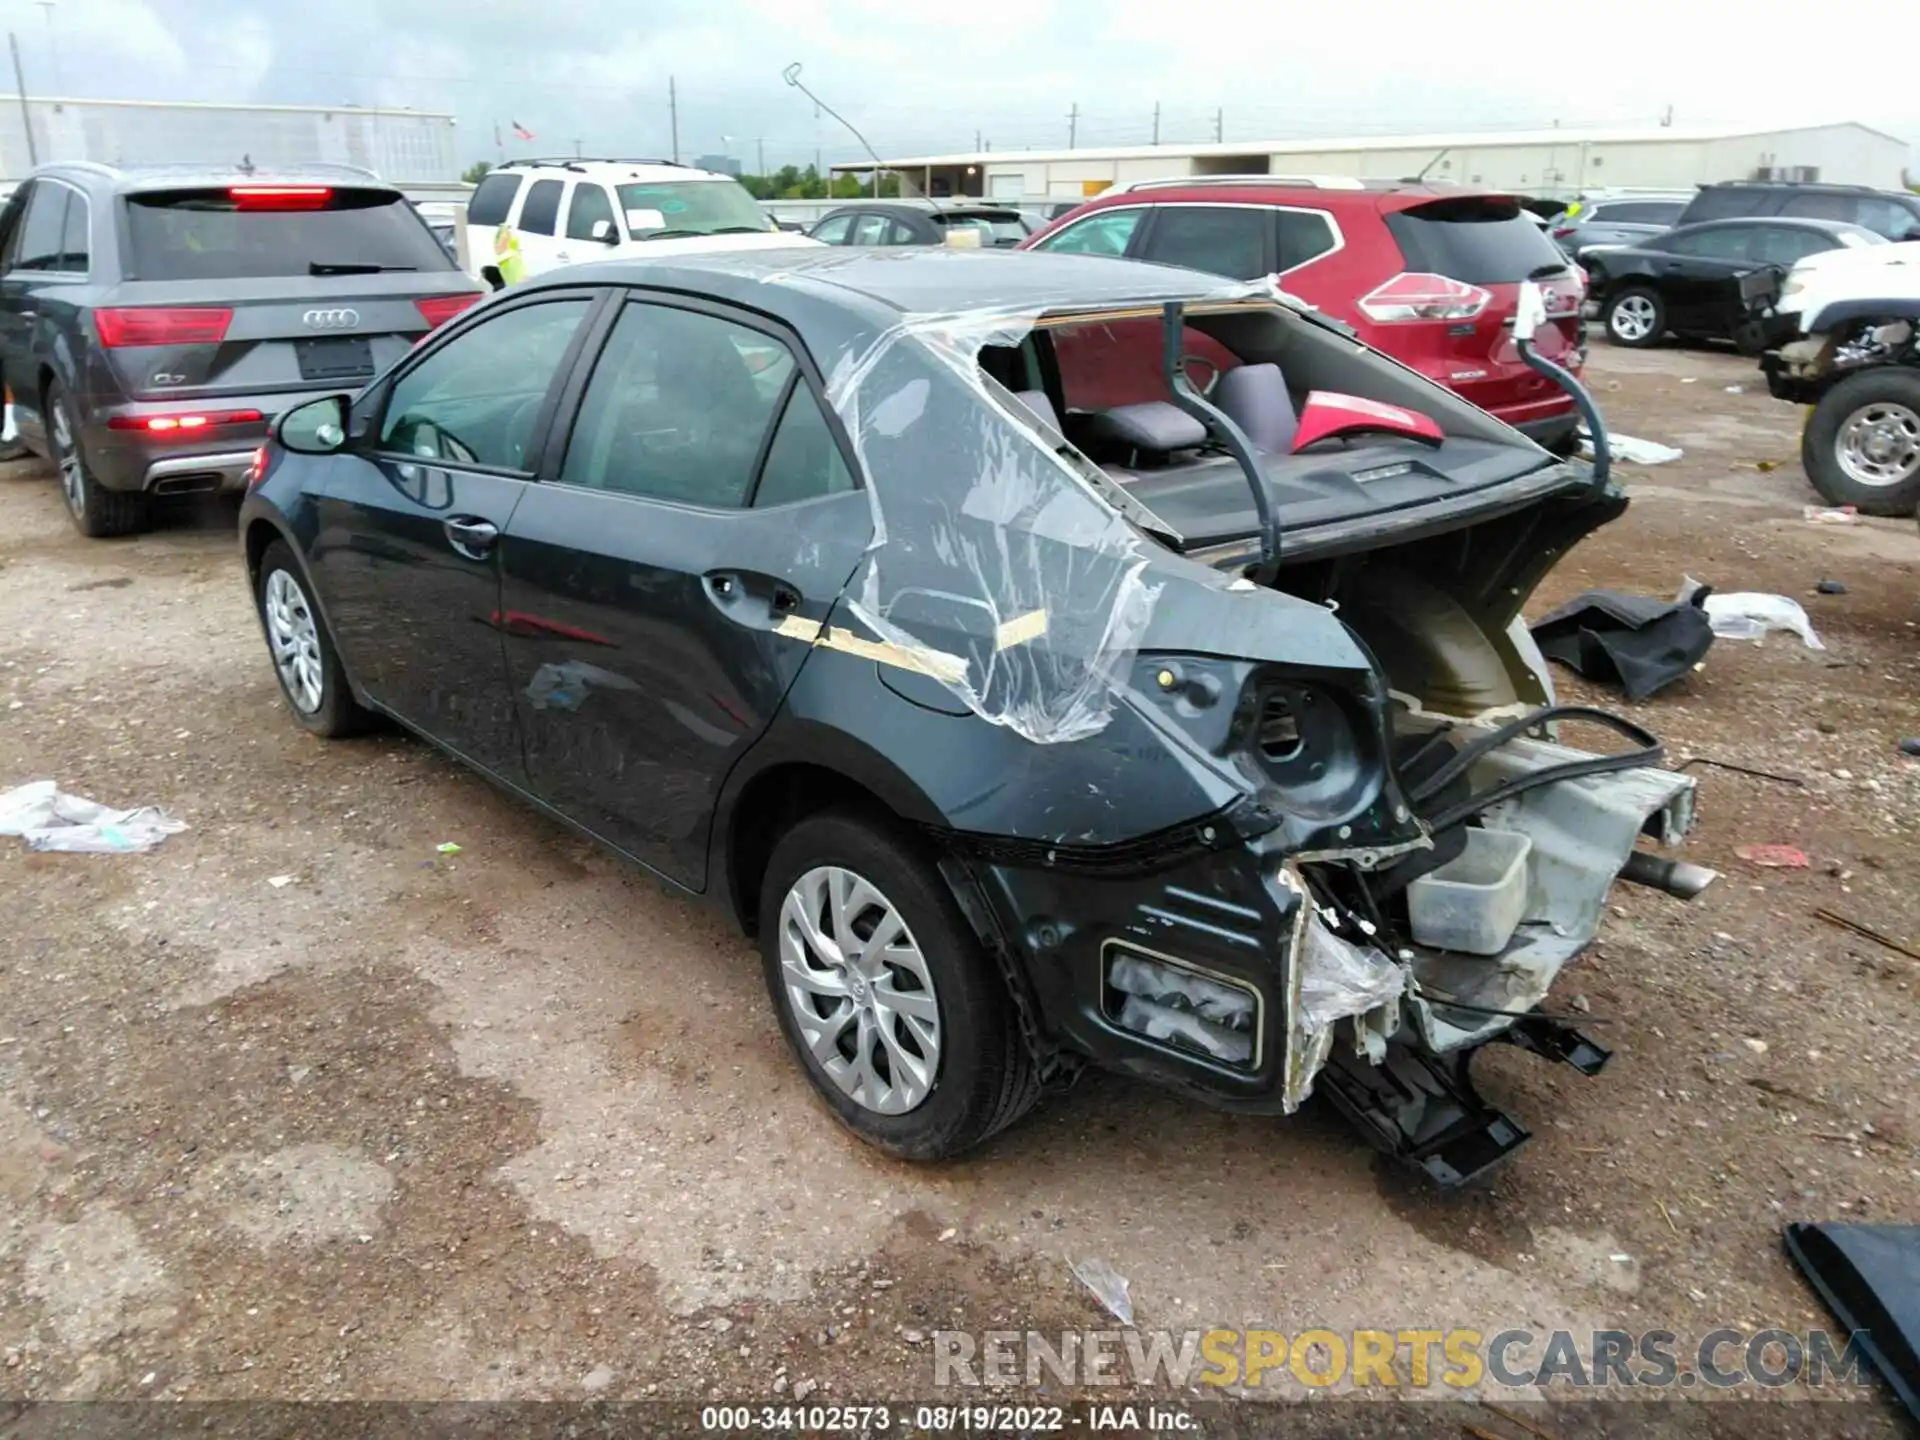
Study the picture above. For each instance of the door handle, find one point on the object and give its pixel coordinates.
(758, 601)
(565, 257)
(470, 536)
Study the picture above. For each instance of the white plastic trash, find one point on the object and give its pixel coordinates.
(47, 819)
(1475, 901)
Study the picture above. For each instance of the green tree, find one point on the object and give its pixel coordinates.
(475, 172)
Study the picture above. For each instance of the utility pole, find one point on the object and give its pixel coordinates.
(792, 76)
(976, 142)
(760, 149)
(1219, 125)
(1156, 122)
(577, 151)
(1073, 124)
(26, 116)
(673, 117)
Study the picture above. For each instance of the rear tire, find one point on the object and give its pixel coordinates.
(312, 680)
(1861, 446)
(1636, 317)
(915, 1044)
(96, 512)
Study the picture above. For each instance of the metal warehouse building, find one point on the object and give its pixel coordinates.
(1538, 162)
(407, 147)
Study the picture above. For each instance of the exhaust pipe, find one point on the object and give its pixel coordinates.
(1679, 878)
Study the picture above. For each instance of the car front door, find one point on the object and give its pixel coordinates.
(663, 583)
(1699, 276)
(406, 554)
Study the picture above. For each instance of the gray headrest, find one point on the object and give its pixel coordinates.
(1039, 404)
(1156, 425)
(1255, 398)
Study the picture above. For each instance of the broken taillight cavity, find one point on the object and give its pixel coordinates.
(1414, 297)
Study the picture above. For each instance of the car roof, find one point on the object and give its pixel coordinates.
(861, 292)
(1383, 196)
(644, 169)
(1798, 222)
(135, 179)
(927, 207)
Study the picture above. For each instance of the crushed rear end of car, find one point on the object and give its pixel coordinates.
(1270, 793)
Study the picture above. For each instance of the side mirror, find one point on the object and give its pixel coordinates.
(318, 427)
(604, 232)
(1531, 312)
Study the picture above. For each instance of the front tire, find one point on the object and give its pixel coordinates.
(1636, 317)
(96, 512)
(312, 681)
(901, 1021)
(1861, 446)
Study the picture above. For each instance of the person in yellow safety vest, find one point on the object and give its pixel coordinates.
(506, 254)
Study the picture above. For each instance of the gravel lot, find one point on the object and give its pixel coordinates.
(296, 1106)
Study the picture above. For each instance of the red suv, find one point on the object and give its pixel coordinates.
(1429, 274)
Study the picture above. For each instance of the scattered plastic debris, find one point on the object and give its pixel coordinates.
(1688, 379)
(1749, 615)
(1831, 587)
(48, 819)
(447, 847)
(1773, 857)
(1634, 641)
(1839, 515)
(1630, 451)
(280, 882)
(1736, 389)
(1108, 1285)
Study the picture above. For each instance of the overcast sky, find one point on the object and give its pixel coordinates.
(920, 78)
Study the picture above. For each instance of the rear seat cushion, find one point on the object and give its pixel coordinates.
(1157, 426)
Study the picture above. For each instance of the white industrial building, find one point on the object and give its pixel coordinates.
(1550, 163)
(411, 148)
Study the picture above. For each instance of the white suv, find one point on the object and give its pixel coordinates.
(529, 216)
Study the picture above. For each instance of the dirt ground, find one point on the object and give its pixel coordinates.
(296, 1106)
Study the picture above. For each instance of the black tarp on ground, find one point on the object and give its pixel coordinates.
(1634, 641)
(1869, 1277)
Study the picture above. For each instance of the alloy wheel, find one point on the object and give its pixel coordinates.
(1879, 444)
(1632, 317)
(859, 990)
(67, 456)
(294, 636)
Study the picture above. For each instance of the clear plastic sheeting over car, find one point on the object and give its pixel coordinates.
(1029, 588)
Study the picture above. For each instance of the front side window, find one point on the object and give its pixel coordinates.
(43, 233)
(542, 208)
(678, 408)
(476, 399)
(590, 205)
(1104, 233)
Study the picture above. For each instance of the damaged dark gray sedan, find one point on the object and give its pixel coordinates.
(1051, 659)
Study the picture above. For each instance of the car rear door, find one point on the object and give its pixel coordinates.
(406, 552)
(663, 583)
(1235, 241)
(1699, 276)
(537, 227)
(253, 290)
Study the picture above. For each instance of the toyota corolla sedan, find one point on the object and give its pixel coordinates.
(1177, 718)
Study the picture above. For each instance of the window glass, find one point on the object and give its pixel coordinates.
(74, 247)
(869, 230)
(1819, 205)
(803, 462)
(476, 399)
(208, 234)
(1103, 233)
(542, 209)
(1304, 235)
(1718, 242)
(678, 407)
(1782, 245)
(1219, 241)
(44, 230)
(590, 203)
(492, 199)
(996, 228)
(1639, 212)
(833, 231)
(901, 233)
(1885, 217)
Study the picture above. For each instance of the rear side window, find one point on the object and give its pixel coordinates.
(803, 463)
(591, 203)
(542, 208)
(44, 230)
(1721, 202)
(223, 234)
(1479, 241)
(1304, 235)
(1784, 244)
(870, 230)
(834, 231)
(1639, 212)
(493, 199)
(1217, 240)
(1714, 242)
